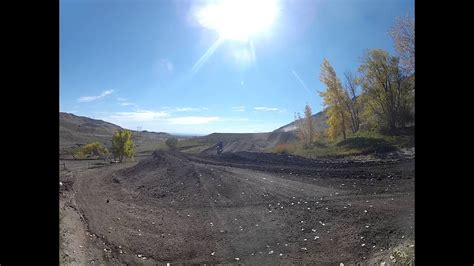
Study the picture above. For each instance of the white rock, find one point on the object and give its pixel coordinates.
(271, 252)
(237, 259)
(212, 254)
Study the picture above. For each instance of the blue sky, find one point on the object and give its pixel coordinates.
(137, 62)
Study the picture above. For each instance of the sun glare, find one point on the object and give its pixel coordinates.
(238, 19)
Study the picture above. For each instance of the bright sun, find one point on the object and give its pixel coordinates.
(238, 19)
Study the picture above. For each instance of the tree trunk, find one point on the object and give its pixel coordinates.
(343, 126)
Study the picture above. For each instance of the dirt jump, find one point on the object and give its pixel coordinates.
(251, 208)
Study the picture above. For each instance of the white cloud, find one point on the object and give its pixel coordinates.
(238, 108)
(265, 108)
(193, 120)
(139, 116)
(187, 109)
(128, 104)
(94, 98)
(121, 99)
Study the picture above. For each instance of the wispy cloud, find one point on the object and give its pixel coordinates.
(193, 120)
(238, 108)
(274, 109)
(139, 116)
(300, 81)
(94, 98)
(128, 104)
(187, 109)
(121, 99)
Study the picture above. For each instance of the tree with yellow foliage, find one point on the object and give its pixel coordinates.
(122, 144)
(335, 101)
(305, 126)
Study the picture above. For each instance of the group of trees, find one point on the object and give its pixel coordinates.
(380, 95)
(122, 146)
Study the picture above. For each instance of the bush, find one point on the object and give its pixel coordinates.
(284, 148)
(172, 143)
(95, 149)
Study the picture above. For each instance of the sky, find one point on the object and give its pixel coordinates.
(197, 67)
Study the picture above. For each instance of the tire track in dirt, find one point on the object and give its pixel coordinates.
(173, 209)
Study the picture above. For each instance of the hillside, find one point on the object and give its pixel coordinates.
(258, 142)
(319, 121)
(79, 130)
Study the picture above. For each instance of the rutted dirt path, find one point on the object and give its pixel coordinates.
(180, 208)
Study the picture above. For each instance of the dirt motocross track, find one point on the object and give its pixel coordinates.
(251, 208)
